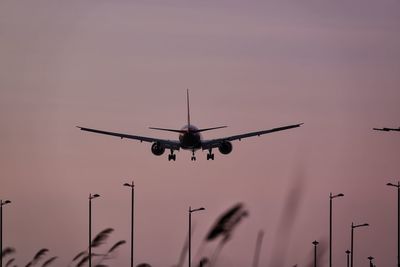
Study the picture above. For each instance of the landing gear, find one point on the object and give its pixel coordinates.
(210, 155)
(171, 156)
(193, 156)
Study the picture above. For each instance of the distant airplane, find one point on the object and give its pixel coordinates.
(190, 138)
(387, 129)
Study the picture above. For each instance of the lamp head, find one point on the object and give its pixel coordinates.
(194, 210)
(93, 196)
(5, 202)
(358, 225)
(335, 196)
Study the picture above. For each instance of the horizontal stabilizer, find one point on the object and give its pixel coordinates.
(208, 129)
(168, 130)
(185, 131)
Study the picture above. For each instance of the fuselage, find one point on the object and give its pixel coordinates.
(190, 138)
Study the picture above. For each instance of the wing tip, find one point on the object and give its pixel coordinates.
(82, 128)
(381, 129)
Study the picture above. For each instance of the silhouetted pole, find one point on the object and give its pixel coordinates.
(258, 248)
(90, 226)
(190, 232)
(348, 257)
(315, 243)
(2, 203)
(330, 225)
(370, 261)
(132, 186)
(398, 220)
(352, 239)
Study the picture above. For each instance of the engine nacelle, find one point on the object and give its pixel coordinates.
(157, 149)
(225, 147)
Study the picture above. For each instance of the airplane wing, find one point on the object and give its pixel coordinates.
(387, 129)
(168, 144)
(207, 144)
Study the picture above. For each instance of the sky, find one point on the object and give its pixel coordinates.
(252, 65)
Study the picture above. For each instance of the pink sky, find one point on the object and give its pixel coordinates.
(125, 65)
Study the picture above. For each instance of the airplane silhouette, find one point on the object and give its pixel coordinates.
(190, 138)
(387, 129)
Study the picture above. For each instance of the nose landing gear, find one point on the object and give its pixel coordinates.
(210, 155)
(193, 156)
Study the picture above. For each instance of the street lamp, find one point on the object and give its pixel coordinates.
(2, 203)
(348, 257)
(90, 226)
(398, 220)
(190, 231)
(370, 261)
(331, 197)
(315, 243)
(352, 238)
(132, 186)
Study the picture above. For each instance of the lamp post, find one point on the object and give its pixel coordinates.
(90, 226)
(348, 257)
(370, 261)
(353, 226)
(132, 186)
(2, 203)
(315, 243)
(398, 220)
(190, 231)
(331, 197)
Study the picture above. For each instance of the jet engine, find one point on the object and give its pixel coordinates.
(225, 147)
(157, 149)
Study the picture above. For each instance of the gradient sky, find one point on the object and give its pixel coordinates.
(125, 65)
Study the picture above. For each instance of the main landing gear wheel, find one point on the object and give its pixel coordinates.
(193, 156)
(210, 156)
(172, 156)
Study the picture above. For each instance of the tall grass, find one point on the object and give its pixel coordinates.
(7, 251)
(224, 227)
(9, 262)
(49, 261)
(38, 256)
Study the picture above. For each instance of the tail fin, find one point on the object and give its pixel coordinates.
(188, 107)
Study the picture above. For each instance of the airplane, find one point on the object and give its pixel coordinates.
(387, 129)
(190, 138)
